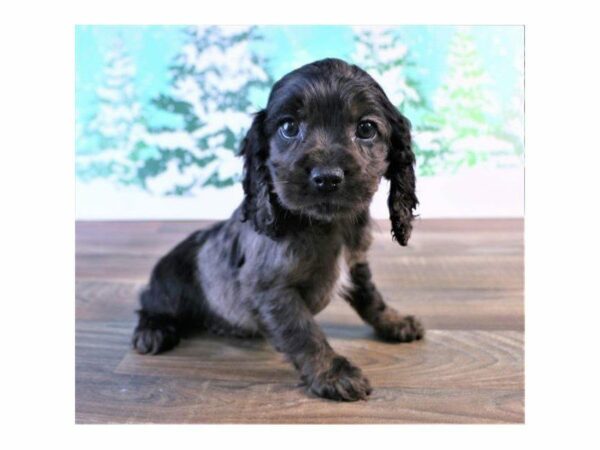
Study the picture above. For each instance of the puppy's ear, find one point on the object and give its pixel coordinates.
(402, 199)
(258, 205)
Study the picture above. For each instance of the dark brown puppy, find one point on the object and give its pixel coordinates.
(313, 160)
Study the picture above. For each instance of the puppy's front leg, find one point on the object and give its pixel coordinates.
(290, 327)
(368, 302)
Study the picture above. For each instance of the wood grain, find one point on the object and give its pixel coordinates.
(464, 278)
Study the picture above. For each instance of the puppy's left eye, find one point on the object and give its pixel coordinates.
(366, 129)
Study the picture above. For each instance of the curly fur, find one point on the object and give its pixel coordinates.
(274, 264)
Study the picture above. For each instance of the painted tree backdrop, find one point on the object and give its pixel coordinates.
(161, 111)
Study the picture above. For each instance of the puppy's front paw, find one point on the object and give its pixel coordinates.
(400, 329)
(341, 381)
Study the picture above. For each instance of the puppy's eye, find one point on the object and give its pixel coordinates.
(366, 129)
(289, 129)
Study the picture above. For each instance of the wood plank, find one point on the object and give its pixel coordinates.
(463, 278)
(451, 377)
(191, 401)
(462, 360)
(444, 309)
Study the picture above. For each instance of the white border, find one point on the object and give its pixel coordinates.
(561, 223)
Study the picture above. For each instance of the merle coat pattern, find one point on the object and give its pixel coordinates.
(313, 158)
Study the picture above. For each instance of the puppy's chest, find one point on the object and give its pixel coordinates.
(316, 273)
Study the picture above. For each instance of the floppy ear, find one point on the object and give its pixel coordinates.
(258, 205)
(402, 199)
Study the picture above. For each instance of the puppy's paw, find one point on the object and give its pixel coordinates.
(341, 381)
(154, 335)
(400, 329)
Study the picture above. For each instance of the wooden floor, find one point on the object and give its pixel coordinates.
(463, 278)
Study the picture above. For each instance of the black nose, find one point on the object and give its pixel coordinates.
(326, 179)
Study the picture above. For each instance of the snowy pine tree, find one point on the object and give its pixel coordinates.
(465, 106)
(379, 50)
(514, 118)
(110, 140)
(212, 78)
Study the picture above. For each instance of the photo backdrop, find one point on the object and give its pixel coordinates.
(161, 111)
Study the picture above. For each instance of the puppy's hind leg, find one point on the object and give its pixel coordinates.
(172, 302)
(155, 332)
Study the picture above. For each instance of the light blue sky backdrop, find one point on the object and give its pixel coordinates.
(154, 47)
(161, 111)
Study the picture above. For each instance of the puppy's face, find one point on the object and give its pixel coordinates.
(320, 148)
(328, 141)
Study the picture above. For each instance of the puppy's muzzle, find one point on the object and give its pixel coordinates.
(326, 179)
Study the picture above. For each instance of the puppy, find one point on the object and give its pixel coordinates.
(312, 161)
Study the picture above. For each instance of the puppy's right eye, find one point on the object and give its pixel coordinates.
(289, 129)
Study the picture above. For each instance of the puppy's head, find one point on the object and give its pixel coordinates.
(319, 149)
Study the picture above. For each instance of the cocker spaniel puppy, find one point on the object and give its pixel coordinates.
(312, 161)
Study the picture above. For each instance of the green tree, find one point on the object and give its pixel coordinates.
(465, 107)
(513, 129)
(108, 143)
(211, 81)
(380, 51)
